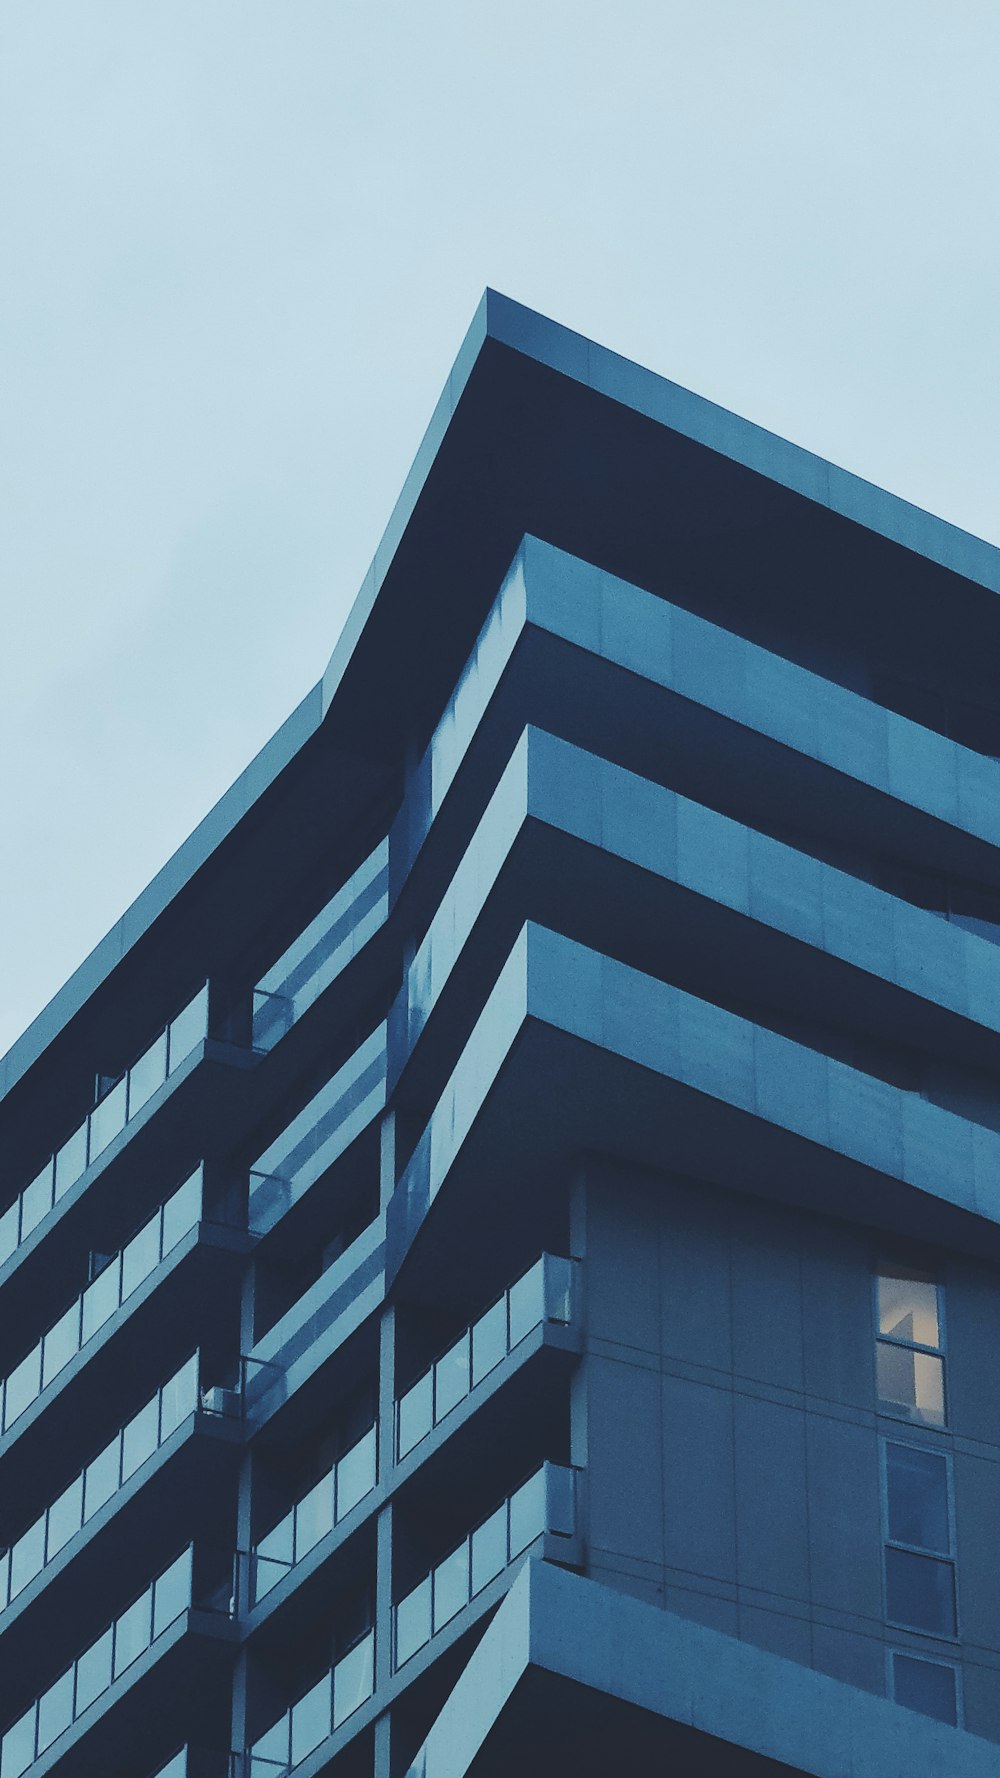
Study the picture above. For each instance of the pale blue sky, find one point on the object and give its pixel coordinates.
(240, 243)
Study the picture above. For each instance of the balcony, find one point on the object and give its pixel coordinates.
(119, 1106)
(328, 1502)
(544, 1504)
(318, 955)
(543, 1294)
(313, 1718)
(54, 1726)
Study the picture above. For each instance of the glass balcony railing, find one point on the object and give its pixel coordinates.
(329, 1501)
(319, 954)
(318, 1135)
(544, 1293)
(176, 1767)
(95, 1671)
(314, 1717)
(125, 1099)
(113, 1285)
(130, 1448)
(545, 1502)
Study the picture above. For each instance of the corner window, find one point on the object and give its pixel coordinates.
(909, 1345)
(919, 1540)
(928, 1686)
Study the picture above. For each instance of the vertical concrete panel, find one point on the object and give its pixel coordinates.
(626, 1503)
(845, 1543)
(695, 1306)
(698, 1496)
(772, 1542)
(767, 1299)
(857, 1660)
(981, 1700)
(777, 1631)
(623, 1287)
(977, 1524)
(837, 1317)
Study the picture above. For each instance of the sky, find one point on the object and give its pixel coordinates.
(241, 242)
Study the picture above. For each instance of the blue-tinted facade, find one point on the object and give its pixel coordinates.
(500, 1247)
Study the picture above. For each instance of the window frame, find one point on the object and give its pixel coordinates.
(919, 1654)
(949, 1637)
(888, 1268)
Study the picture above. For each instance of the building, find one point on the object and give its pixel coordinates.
(500, 1246)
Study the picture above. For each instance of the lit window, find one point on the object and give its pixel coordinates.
(909, 1347)
(928, 1686)
(919, 1545)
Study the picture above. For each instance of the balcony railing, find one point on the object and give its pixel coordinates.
(314, 1717)
(318, 1135)
(130, 1448)
(176, 1767)
(545, 1502)
(320, 953)
(95, 1671)
(126, 1098)
(329, 1501)
(113, 1285)
(544, 1293)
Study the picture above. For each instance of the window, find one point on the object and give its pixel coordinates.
(919, 1540)
(909, 1345)
(928, 1686)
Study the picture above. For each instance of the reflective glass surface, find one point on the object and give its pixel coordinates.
(451, 1586)
(36, 1201)
(60, 1344)
(917, 1497)
(313, 1517)
(101, 1298)
(55, 1710)
(65, 1516)
(489, 1340)
(920, 1592)
(353, 1680)
(146, 1075)
(172, 1593)
(927, 1686)
(140, 1257)
(527, 1513)
(452, 1377)
(93, 1671)
(188, 1029)
(22, 1386)
(132, 1634)
(27, 1557)
(356, 1474)
(108, 1118)
(140, 1438)
(527, 1303)
(70, 1162)
(311, 1718)
(18, 1747)
(8, 1230)
(100, 1479)
(908, 1309)
(911, 1380)
(415, 1414)
(413, 1621)
(489, 1549)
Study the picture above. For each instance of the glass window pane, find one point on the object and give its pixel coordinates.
(93, 1672)
(18, 1747)
(489, 1549)
(4, 1582)
(911, 1380)
(920, 1592)
(313, 1517)
(147, 1074)
(413, 1622)
(189, 1027)
(353, 1680)
(141, 1256)
(101, 1479)
(908, 1309)
(279, 1544)
(558, 1288)
(71, 1162)
(36, 1200)
(416, 1414)
(65, 1518)
(527, 1513)
(55, 1710)
(8, 1230)
(101, 1298)
(27, 1557)
(60, 1344)
(172, 1593)
(560, 1499)
(273, 1749)
(179, 1397)
(917, 1492)
(23, 1386)
(451, 1586)
(927, 1686)
(451, 1378)
(311, 1720)
(107, 1119)
(356, 1474)
(139, 1438)
(527, 1303)
(132, 1633)
(182, 1211)
(489, 1340)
